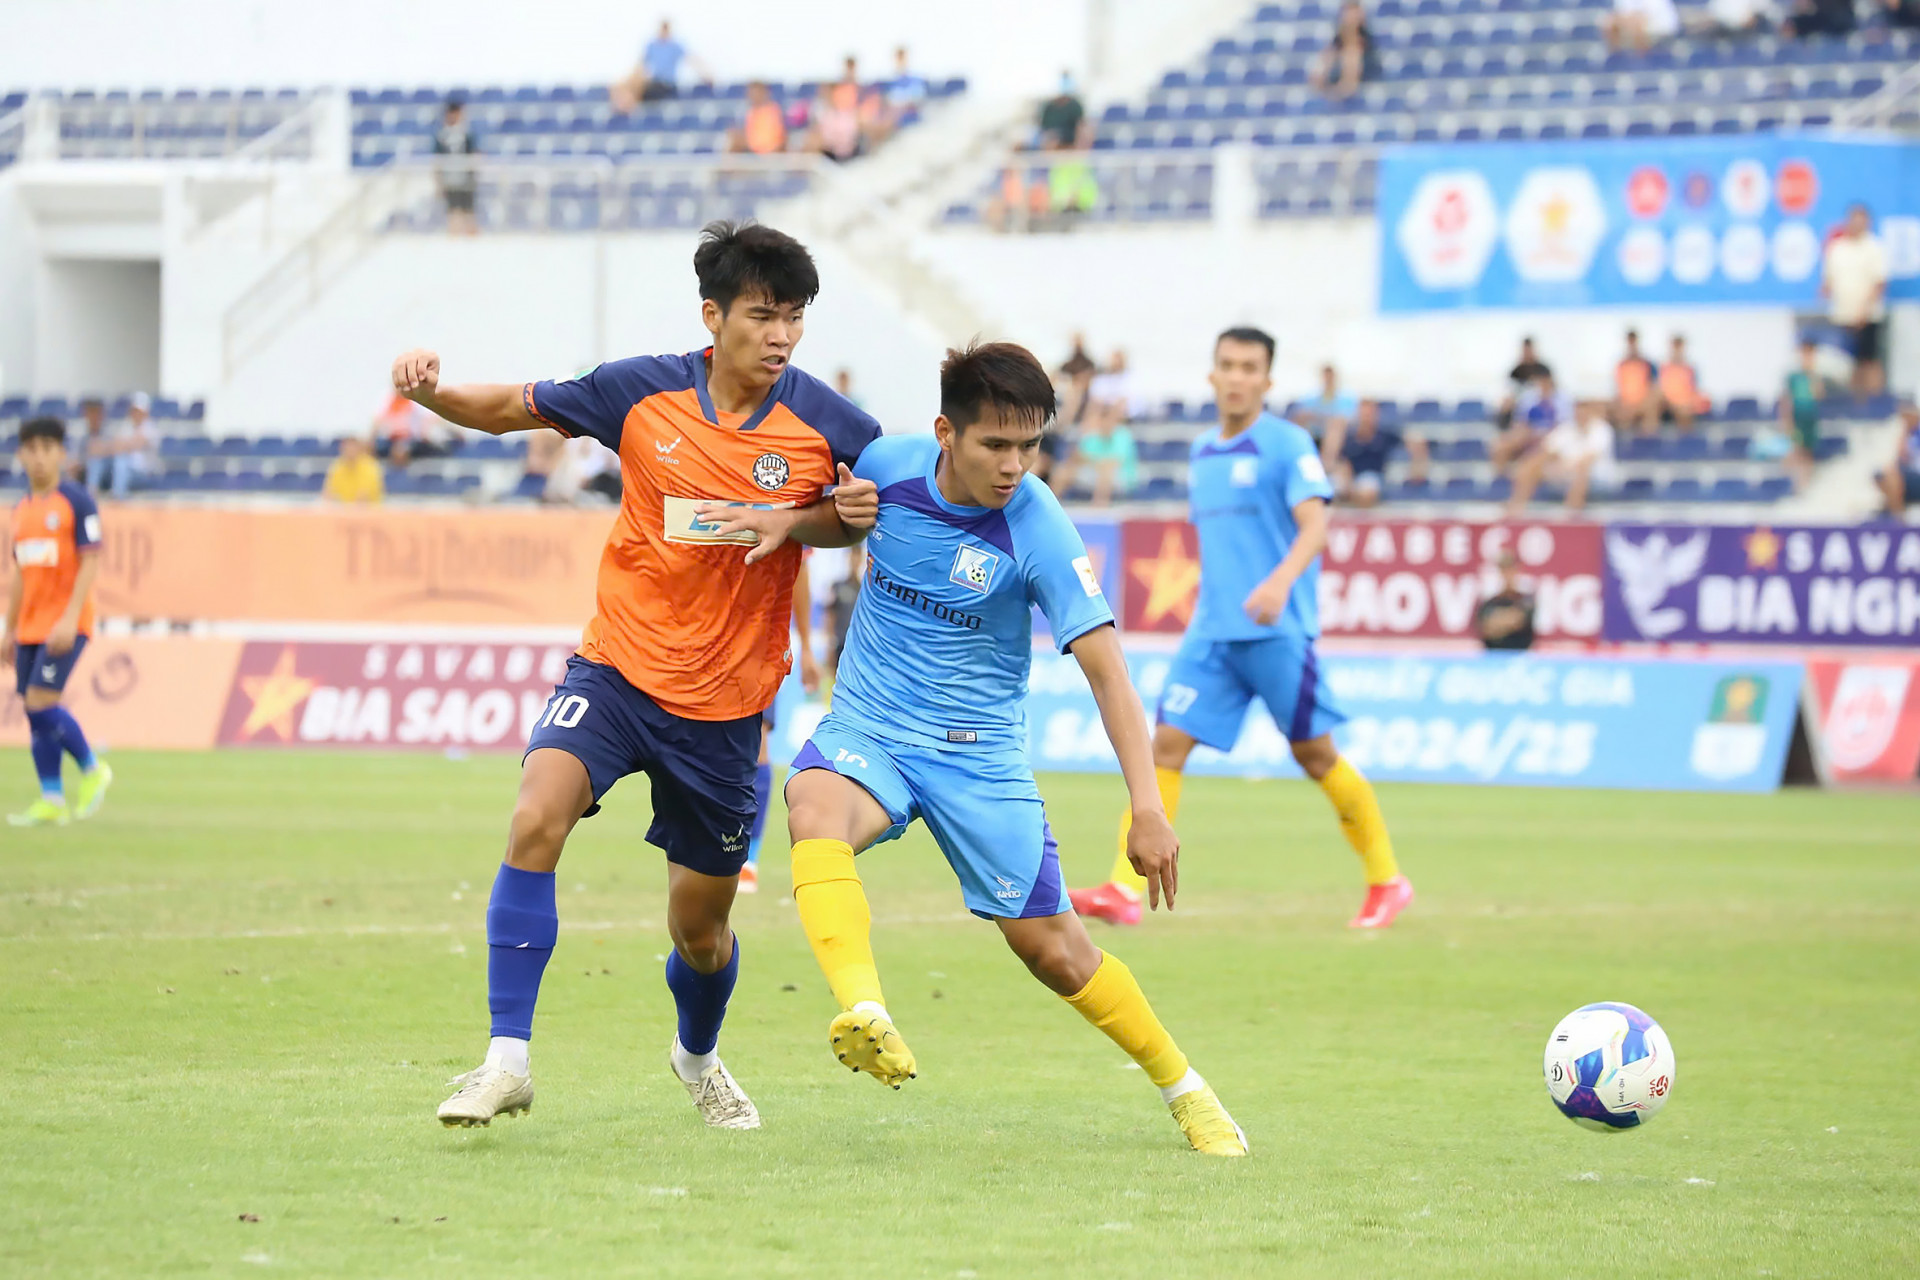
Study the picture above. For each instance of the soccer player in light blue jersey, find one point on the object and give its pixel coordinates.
(1260, 497)
(929, 722)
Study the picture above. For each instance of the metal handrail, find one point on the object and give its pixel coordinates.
(1877, 109)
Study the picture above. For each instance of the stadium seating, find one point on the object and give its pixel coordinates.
(1450, 71)
(1710, 465)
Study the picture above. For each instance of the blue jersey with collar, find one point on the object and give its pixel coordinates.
(941, 637)
(1242, 492)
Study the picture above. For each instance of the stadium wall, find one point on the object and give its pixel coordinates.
(1003, 46)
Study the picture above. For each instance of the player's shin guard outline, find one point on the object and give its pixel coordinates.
(1113, 1001)
(833, 911)
(522, 927)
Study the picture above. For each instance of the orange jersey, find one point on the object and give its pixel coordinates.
(680, 613)
(50, 530)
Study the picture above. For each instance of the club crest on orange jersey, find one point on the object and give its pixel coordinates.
(771, 471)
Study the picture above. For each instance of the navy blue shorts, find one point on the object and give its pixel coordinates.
(702, 770)
(35, 668)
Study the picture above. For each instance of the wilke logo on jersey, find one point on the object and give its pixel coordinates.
(973, 568)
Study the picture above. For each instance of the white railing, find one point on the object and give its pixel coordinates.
(13, 134)
(1882, 110)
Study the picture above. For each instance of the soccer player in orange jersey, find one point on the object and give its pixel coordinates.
(56, 556)
(689, 641)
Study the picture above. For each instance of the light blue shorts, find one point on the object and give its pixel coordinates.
(981, 804)
(1211, 682)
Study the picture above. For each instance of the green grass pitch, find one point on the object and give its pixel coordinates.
(229, 1005)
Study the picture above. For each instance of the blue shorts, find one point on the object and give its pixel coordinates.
(702, 770)
(1212, 681)
(35, 668)
(982, 806)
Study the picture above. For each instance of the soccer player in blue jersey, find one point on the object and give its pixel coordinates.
(1259, 496)
(929, 722)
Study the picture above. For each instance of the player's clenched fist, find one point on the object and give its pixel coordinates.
(416, 374)
(855, 501)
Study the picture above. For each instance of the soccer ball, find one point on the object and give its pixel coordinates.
(1609, 1066)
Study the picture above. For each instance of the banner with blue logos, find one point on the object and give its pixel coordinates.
(1683, 221)
(1529, 721)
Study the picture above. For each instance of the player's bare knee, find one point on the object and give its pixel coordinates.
(536, 834)
(1316, 756)
(1171, 748)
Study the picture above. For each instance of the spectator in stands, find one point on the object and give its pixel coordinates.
(907, 92)
(658, 74)
(1640, 24)
(355, 476)
(582, 465)
(1902, 13)
(1539, 409)
(843, 383)
(1576, 454)
(1900, 482)
(1636, 390)
(1348, 58)
(128, 456)
(84, 447)
(840, 129)
(1800, 416)
(458, 182)
(1679, 387)
(1062, 119)
(1854, 282)
(1075, 381)
(839, 607)
(1820, 18)
(1732, 18)
(1327, 415)
(1108, 453)
(1360, 471)
(1018, 197)
(1111, 398)
(763, 131)
(403, 431)
(546, 454)
(1520, 380)
(1505, 619)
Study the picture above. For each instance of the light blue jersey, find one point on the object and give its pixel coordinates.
(929, 712)
(941, 638)
(1243, 491)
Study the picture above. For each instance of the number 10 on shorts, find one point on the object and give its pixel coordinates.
(563, 711)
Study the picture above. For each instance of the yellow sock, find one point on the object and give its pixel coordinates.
(1360, 820)
(1114, 1002)
(833, 911)
(1123, 873)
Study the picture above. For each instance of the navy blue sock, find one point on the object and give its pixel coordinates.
(72, 739)
(702, 999)
(522, 926)
(762, 797)
(46, 751)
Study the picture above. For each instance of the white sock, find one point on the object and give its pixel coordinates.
(1185, 1084)
(509, 1053)
(873, 1009)
(691, 1066)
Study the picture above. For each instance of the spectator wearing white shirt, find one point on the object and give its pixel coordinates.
(1733, 18)
(1640, 24)
(1536, 412)
(1577, 453)
(128, 457)
(1854, 283)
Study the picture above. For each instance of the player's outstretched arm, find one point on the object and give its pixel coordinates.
(839, 520)
(1152, 847)
(495, 408)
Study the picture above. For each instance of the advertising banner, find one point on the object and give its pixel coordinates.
(140, 692)
(479, 566)
(437, 696)
(1763, 584)
(1525, 721)
(1681, 221)
(1868, 716)
(1426, 578)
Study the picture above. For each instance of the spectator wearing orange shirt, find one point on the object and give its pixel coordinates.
(1636, 390)
(764, 131)
(1679, 387)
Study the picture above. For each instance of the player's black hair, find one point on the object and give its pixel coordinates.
(43, 429)
(1247, 333)
(736, 258)
(1000, 376)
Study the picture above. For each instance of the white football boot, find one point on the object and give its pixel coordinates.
(485, 1092)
